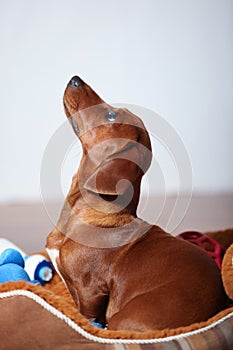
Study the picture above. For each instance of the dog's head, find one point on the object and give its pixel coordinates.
(116, 145)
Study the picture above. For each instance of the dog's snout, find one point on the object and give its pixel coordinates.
(76, 82)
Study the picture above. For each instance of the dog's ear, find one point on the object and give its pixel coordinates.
(116, 174)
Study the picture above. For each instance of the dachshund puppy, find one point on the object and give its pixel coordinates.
(120, 270)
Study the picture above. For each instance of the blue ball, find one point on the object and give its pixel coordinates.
(12, 272)
(11, 255)
(96, 324)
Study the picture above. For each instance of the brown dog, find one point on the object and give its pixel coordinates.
(119, 269)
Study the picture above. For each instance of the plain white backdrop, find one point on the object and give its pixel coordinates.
(172, 57)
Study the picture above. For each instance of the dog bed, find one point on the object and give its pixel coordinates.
(36, 317)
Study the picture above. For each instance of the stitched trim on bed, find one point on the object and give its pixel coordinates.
(98, 339)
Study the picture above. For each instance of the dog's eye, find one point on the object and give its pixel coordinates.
(74, 125)
(111, 115)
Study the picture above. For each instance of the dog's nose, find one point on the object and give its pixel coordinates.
(76, 82)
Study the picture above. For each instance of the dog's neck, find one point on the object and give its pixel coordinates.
(98, 210)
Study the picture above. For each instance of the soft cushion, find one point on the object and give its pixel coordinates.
(36, 317)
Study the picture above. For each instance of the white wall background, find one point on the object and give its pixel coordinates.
(173, 57)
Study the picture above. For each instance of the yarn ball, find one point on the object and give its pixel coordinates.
(11, 255)
(12, 272)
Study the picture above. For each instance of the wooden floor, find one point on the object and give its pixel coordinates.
(27, 224)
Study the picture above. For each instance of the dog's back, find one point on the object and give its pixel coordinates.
(167, 283)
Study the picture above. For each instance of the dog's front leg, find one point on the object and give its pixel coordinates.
(85, 281)
(94, 307)
(91, 302)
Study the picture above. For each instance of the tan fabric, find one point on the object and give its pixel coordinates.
(66, 306)
(24, 324)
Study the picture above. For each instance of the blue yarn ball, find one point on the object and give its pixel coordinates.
(12, 272)
(11, 255)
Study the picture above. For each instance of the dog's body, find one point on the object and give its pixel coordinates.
(119, 269)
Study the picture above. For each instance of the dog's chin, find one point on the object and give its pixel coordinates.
(69, 111)
(66, 109)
